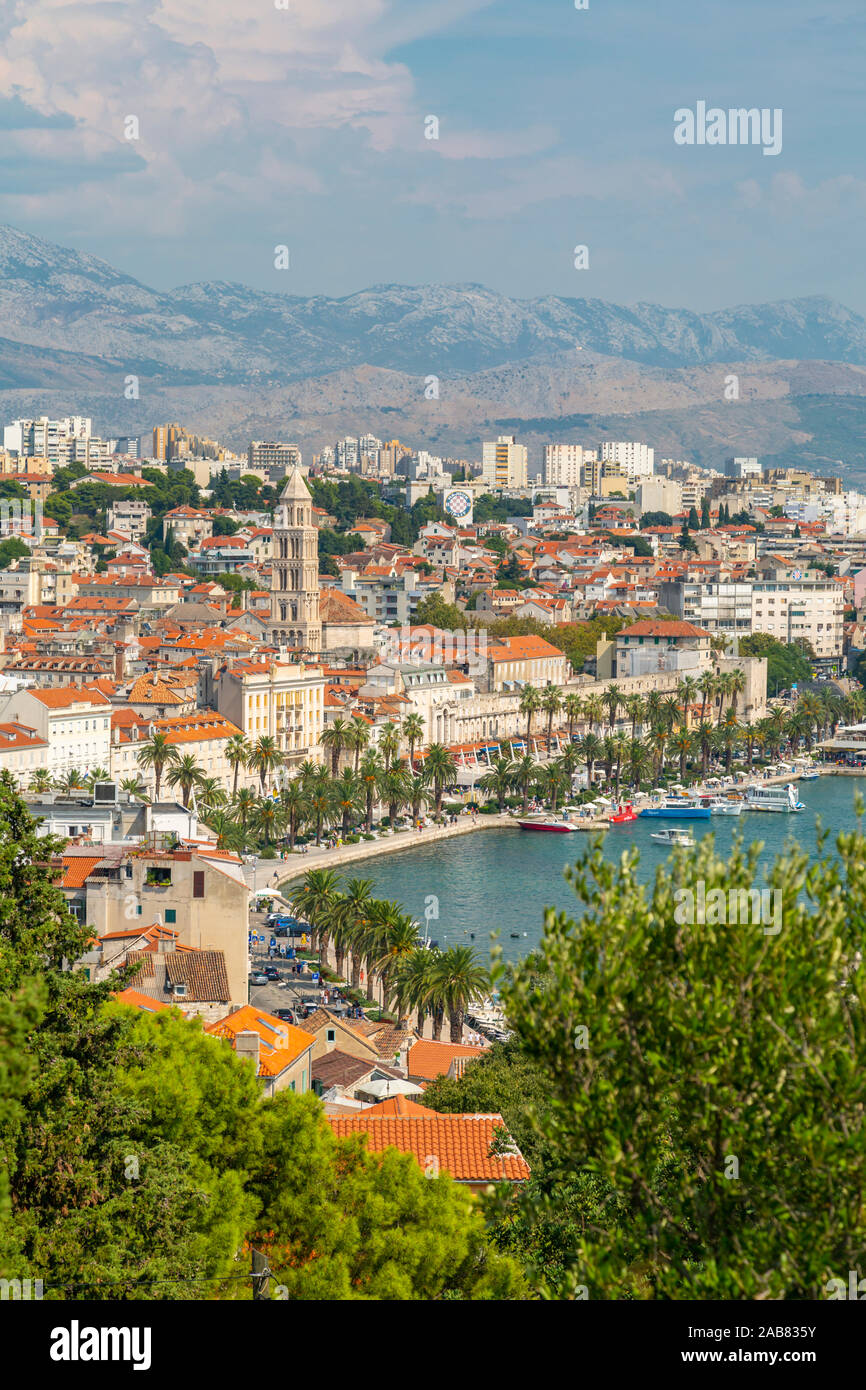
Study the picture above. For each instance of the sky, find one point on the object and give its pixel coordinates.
(305, 126)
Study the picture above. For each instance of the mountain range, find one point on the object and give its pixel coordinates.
(238, 363)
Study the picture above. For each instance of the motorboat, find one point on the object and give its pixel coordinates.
(721, 806)
(678, 808)
(622, 815)
(810, 774)
(776, 798)
(673, 835)
(553, 824)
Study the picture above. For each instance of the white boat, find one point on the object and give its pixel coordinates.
(673, 835)
(811, 774)
(721, 806)
(777, 798)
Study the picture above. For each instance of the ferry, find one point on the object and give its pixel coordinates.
(773, 798)
(673, 835)
(678, 808)
(553, 824)
(622, 815)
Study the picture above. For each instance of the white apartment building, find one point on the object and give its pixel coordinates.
(22, 752)
(638, 460)
(129, 517)
(41, 438)
(504, 462)
(659, 495)
(743, 468)
(721, 607)
(284, 700)
(75, 724)
(563, 465)
(791, 609)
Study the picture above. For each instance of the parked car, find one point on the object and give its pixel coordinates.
(257, 978)
(271, 973)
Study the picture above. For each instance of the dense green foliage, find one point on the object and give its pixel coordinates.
(787, 663)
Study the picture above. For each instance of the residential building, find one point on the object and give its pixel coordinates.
(808, 609)
(504, 462)
(74, 723)
(280, 1053)
(638, 460)
(563, 465)
(283, 699)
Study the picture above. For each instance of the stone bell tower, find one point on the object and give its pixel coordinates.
(295, 620)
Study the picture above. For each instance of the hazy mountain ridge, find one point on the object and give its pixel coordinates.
(237, 362)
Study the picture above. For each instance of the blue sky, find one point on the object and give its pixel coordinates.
(305, 127)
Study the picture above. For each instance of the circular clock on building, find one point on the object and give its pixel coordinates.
(458, 504)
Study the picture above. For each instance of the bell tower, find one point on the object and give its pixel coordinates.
(295, 620)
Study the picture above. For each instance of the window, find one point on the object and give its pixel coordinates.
(332, 1035)
(170, 915)
(198, 883)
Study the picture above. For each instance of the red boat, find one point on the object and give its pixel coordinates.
(622, 815)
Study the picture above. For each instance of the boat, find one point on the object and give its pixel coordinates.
(721, 806)
(622, 815)
(810, 775)
(673, 835)
(776, 798)
(553, 824)
(678, 808)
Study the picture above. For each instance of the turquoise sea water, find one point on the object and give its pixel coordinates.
(504, 879)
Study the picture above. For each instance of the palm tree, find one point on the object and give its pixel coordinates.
(682, 743)
(673, 714)
(264, 758)
(592, 751)
(525, 775)
(723, 688)
(156, 755)
(573, 709)
(634, 708)
(335, 739)
(654, 709)
(736, 686)
(243, 807)
(295, 806)
(349, 797)
(267, 818)
(707, 691)
(638, 761)
(459, 978)
(394, 788)
(554, 780)
(40, 781)
(704, 739)
(133, 785)
(687, 690)
(439, 769)
(371, 772)
(72, 781)
(730, 737)
(389, 743)
(227, 831)
(530, 701)
(358, 738)
(551, 704)
(413, 732)
(320, 791)
(313, 900)
(210, 793)
(237, 756)
(185, 773)
(400, 941)
(412, 983)
(355, 907)
(99, 774)
(498, 780)
(659, 740)
(593, 709)
(416, 791)
(612, 699)
(620, 745)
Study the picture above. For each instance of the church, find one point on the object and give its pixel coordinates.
(295, 618)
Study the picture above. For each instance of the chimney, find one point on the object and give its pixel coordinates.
(247, 1045)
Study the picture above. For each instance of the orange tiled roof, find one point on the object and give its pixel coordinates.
(77, 869)
(431, 1059)
(461, 1143)
(140, 1001)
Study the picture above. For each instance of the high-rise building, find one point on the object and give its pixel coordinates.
(638, 460)
(504, 463)
(295, 620)
(263, 453)
(743, 468)
(563, 465)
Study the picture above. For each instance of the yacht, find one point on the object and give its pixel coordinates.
(721, 806)
(554, 824)
(773, 798)
(673, 835)
(678, 808)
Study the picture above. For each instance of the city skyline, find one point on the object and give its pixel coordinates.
(201, 144)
